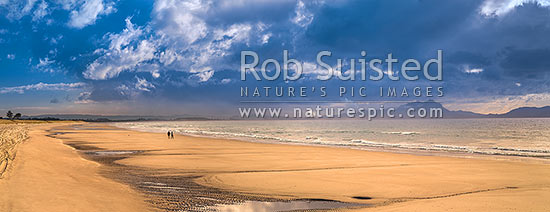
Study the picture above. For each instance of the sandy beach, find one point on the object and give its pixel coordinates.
(49, 176)
(97, 167)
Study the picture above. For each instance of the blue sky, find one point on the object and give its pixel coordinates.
(182, 57)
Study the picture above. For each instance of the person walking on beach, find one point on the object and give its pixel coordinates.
(172, 134)
(168, 133)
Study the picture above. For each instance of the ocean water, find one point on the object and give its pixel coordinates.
(508, 137)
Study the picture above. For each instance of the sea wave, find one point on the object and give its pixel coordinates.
(317, 139)
(504, 151)
(402, 133)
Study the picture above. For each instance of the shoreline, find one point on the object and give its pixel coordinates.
(395, 150)
(194, 173)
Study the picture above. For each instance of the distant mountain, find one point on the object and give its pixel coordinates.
(432, 104)
(462, 114)
(417, 105)
(525, 112)
(102, 118)
(522, 112)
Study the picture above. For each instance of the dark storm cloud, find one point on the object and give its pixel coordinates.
(530, 63)
(388, 26)
(54, 101)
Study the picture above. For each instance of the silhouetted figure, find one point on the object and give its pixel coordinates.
(168, 133)
(172, 134)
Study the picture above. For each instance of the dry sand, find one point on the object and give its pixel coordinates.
(235, 170)
(50, 176)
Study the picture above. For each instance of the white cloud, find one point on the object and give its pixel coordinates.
(168, 56)
(81, 12)
(204, 69)
(121, 55)
(129, 34)
(11, 56)
(43, 87)
(190, 43)
(473, 70)
(84, 98)
(204, 74)
(68, 4)
(45, 65)
(177, 19)
(143, 85)
(310, 68)
(155, 74)
(235, 33)
(501, 7)
(16, 9)
(222, 41)
(177, 39)
(225, 81)
(113, 63)
(44, 62)
(56, 39)
(41, 11)
(88, 13)
(302, 16)
(265, 38)
(28, 7)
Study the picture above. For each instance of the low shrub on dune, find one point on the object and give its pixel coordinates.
(10, 136)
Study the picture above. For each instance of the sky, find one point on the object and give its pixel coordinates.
(166, 57)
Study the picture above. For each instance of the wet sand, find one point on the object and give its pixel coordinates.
(190, 173)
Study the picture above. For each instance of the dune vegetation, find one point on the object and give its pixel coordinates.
(10, 136)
